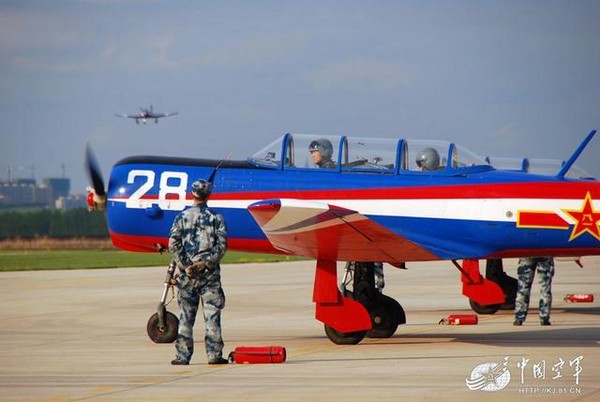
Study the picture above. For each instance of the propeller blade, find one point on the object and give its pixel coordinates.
(94, 172)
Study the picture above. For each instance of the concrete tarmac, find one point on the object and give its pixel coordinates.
(81, 336)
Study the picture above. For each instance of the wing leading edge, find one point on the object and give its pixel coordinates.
(319, 230)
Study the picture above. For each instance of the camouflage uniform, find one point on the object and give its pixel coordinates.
(526, 272)
(198, 234)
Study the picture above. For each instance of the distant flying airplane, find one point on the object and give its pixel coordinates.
(377, 200)
(146, 114)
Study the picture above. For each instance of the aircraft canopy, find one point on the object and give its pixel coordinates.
(381, 155)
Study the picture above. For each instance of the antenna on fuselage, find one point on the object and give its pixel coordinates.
(211, 178)
(563, 171)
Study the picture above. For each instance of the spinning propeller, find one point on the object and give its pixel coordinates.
(96, 198)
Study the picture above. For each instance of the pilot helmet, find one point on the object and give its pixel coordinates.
(323, 146)
(201, 189)
(428, 159)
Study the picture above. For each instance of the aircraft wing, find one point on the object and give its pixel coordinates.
(159, 115)
(129, 116)
(319, 230)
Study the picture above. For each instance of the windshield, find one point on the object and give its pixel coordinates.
(270, 155)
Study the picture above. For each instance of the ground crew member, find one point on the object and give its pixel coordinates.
(526, 272)
(198, 241)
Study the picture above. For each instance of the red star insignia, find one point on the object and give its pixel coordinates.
(587, 219)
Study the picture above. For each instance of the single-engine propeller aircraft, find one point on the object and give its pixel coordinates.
(376, 200)
(146, 114)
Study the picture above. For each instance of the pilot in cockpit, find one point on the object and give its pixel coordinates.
(321, 152)
(428, 159)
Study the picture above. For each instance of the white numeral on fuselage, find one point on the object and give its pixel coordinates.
(178, 190)
(171, 191)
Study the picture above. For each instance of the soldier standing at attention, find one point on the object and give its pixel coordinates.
(198, 241)
(526, 272)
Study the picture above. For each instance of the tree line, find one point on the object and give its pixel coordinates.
(52, 223)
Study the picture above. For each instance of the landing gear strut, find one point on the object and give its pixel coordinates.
(162, 326)
(494, 271)
(386, 313)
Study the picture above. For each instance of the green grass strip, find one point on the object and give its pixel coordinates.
(85, 259)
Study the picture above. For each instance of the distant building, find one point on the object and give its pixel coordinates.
(61, 187)
(26, 192)
(71, 202)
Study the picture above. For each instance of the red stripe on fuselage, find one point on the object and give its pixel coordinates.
(540, 190)
(539, 219)
(148, 244)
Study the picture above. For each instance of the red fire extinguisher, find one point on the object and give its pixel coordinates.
(258, 354)
(579, 298)
(460, 319)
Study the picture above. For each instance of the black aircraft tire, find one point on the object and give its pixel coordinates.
(168, 334)
(344, 338)
(385, 318)
(484, 309)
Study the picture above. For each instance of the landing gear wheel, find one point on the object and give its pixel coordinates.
(166, 334)
(344, 338)
(386, 315)
(484, 309)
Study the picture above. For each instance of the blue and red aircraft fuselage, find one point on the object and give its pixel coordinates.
(481, 215)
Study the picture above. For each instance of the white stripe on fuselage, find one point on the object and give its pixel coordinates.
(492, 209)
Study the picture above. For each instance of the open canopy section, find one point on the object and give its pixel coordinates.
(370, 155)
(544, 167)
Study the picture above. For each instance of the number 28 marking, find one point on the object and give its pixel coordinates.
(171, 191)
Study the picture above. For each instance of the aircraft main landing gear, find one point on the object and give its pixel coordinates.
(162, 326)
(344, 338)
(494, 271)
(386, 313)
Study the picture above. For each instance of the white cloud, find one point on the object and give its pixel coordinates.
(55, 41)
(379, 74)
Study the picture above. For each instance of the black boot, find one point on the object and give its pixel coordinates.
(178, 361)
(217, 360)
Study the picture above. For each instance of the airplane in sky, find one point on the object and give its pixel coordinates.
(146, 114)
(374, 200)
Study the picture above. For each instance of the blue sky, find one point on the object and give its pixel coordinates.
(506, 78)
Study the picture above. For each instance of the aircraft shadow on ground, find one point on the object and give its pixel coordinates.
(533, 339)
(523, 337)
